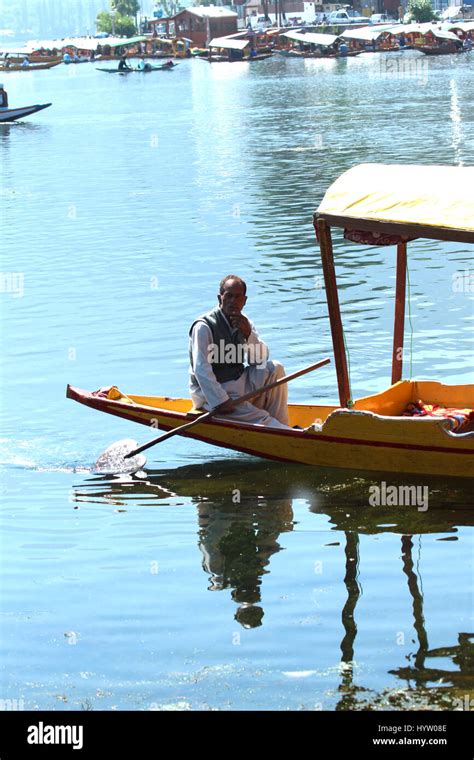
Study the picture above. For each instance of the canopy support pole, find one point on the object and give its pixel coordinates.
(324, 236)
(399, 319)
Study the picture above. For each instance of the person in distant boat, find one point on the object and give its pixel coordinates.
(25, 62)
(123, 65)
(228, 359)
(467, 43)
(142, 65)
(3, 97)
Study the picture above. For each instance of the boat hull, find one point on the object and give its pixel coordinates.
(249, 59)
(441, 50)
(164, 67)
(31, 67)
(354, 439)
(12, 114)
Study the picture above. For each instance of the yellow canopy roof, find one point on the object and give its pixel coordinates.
(434, 199)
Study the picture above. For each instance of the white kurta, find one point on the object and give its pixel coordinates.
(269, 409)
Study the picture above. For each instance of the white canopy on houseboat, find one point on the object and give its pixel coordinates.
(228, 44)
(465, 26)
(81, 43)
(436, 30)
(325, 40)
(443, 34)
(365, 33)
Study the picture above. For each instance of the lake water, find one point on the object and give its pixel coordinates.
(123, 205)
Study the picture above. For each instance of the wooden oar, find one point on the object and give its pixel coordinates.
(245, 397)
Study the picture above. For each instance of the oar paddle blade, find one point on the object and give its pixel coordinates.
(112, 461)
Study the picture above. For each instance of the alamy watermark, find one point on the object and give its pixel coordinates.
(464, 703)
(12, 283)
(9, 705)
(463, 281)
(383, 495)
(51, 734)
(236, 353)
(401, 68)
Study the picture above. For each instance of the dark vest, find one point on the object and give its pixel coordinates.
(226, 365)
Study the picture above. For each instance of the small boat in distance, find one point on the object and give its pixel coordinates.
(146, 70)
(29, 67)
(12, 114)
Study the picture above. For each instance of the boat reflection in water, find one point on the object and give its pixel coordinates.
(237, 541)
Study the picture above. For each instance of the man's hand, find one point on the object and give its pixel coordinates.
(238, 321)
(226, 407)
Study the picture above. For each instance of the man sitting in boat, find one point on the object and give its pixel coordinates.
(123, 65)
(3, 97)
(143, 66)
(219, 344)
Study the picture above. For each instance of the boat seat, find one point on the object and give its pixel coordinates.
(391, 402)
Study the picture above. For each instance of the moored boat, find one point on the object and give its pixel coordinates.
(12, 114)
(235, 49)
(17, 58)
(450, 48)
(414, 426)
(29, 67)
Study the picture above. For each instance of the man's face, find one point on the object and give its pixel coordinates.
(233, 299)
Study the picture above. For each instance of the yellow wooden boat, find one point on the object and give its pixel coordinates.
(393, 204)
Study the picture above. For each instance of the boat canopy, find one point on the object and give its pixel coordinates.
(366, 33)
(425, 28)
(15, 52)
(464, 26)
(119, 41)
(273, 32)
(81, 43)
(443, 34)
(325, 40)
(228, 44)
(411, 28)
(413, 200)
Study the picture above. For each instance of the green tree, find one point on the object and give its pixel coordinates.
(126, 7)
(122, 26)
(172, 7)
(421, 11)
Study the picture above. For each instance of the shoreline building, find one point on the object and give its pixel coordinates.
(199, 24)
